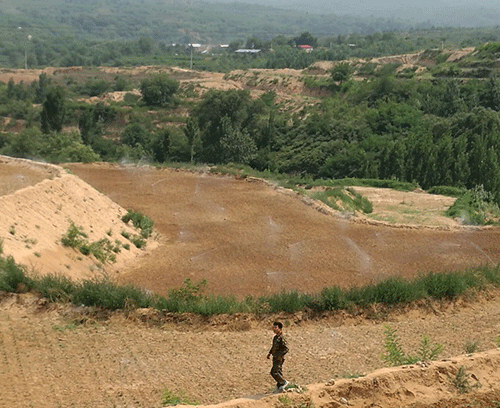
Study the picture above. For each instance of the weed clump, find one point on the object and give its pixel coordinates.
(395, 356)
(103, 250)
(140, 221)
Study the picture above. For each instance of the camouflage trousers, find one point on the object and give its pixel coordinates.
(277, 370)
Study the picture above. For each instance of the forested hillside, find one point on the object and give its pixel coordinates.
(430, 119)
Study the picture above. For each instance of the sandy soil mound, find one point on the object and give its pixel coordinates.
(40, 202)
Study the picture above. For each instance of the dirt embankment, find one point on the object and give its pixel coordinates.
(38, 204)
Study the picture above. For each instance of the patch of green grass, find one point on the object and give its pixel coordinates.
(349, 199)
(169, 398)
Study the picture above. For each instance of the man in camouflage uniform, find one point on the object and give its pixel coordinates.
(278, 351)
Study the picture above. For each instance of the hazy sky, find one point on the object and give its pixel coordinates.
(451, 12)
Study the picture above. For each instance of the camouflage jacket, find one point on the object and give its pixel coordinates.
(279, 347)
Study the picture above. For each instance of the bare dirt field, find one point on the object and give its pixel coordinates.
(244, 237)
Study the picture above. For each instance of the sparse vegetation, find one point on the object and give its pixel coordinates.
(471, 347)
(461, 381)
(103, 250)
(394, 354)
(140, 221)
(169, 398)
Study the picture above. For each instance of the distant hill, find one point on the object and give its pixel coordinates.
(176, 21)
(461, 13)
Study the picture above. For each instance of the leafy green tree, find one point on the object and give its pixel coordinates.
(160, 145)
(193, 135)
(66, 147)
(42, 87)
(159, 90)
(216, 110)
(237, 145)
(341, 72)
(53, 110)
(135, 134)
(306, 38)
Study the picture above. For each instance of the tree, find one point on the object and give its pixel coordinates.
(237, 145)
(341, 72)
(216, 107)
(53, 111)
(135, 134)
(306, 39)
(160, 145)
(192, 132)
(159, 90)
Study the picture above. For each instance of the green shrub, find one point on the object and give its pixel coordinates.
(461, 381)
(109, 295)
(443, 285)
(139, 221)
(332, 298)
(447, 191)
(13, 277)
(55, 288)
(74, 236)
(475, 207)
(288, 302)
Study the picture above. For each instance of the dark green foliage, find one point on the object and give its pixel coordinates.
(159, 90)
(13, 277)
(227, 121)
(53, 111)
(135, 134)
(144, 223)
(341, 72)
(55, 288)
(109, 295)
(447, 191)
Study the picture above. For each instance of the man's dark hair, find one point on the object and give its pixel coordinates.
(279, 324)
